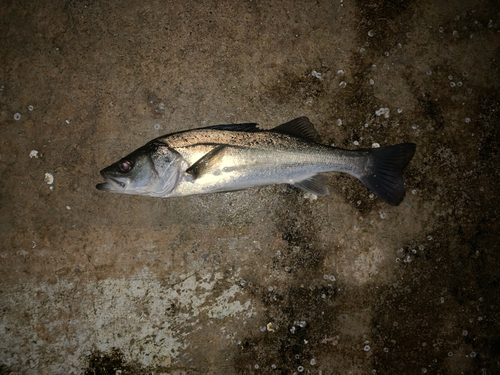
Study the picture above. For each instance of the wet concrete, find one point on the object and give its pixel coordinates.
(266, 279)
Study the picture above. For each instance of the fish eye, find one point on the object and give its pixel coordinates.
(125, 166)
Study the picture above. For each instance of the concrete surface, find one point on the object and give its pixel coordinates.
(262, 280)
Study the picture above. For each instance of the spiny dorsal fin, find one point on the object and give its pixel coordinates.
(315, 185)
(247, 127)
(300, 127)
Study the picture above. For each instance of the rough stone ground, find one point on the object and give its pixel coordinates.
(262, 280)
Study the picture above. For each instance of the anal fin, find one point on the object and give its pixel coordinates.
(315, 185)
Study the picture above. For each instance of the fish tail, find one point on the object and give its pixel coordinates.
(384, 174)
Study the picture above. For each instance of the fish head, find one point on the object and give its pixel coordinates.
(152, 170)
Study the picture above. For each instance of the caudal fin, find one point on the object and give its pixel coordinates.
(385, 175)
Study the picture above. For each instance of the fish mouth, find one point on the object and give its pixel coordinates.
(112, 184)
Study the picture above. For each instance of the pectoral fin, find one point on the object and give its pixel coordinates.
(315, 185)
(208, 163)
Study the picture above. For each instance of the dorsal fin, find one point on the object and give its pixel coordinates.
(300, 127)
(247, 127)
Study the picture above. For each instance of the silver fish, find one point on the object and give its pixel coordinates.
(224, 158)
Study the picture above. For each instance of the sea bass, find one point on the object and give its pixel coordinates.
(225, 158)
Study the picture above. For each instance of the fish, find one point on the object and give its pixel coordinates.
(225, 158)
